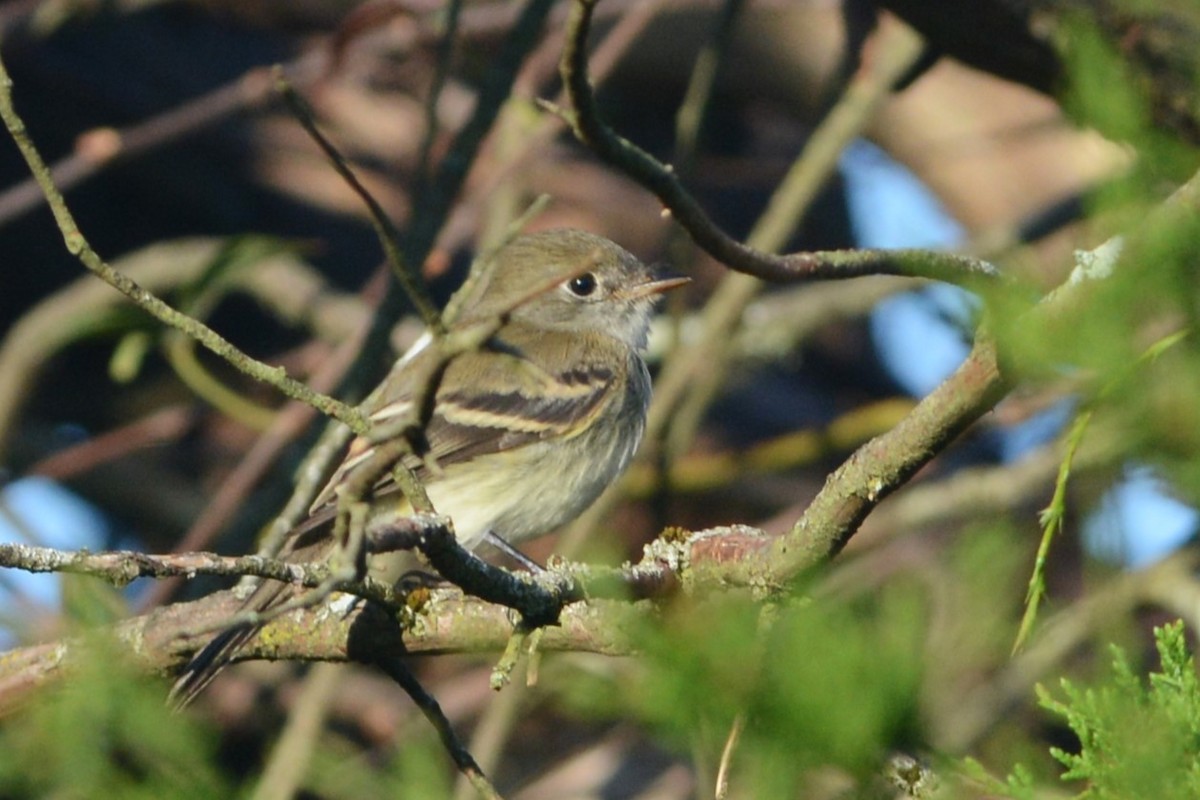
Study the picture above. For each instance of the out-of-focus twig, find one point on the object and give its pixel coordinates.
(703, 368)
(690, 117)
(78, 246)
(705, 471)
(449, 18)
(180, 353)
(281, 282)
(162, 425)
(101, 148)
(289, 758)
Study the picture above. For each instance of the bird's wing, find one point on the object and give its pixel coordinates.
(523, 402)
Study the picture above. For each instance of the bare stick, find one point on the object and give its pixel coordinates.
(590, 129)
(389, 237)
(77, 245)
(398, 672)
(122, 566)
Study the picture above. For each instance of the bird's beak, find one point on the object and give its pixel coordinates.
(657, 286)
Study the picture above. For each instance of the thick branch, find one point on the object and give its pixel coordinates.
(446, 620)
(887, 462)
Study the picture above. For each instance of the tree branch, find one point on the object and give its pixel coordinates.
(660, 179)
(597, 616)
(77, 245)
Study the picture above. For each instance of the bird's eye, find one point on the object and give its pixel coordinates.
(582, 285)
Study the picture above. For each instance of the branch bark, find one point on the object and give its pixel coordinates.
(598, 617)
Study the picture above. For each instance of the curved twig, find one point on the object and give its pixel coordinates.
(590, 129)
(79, 247)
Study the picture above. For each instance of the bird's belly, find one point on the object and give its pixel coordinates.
(530, 491)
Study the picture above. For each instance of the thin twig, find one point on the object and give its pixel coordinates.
(590, 129)
(78, 246)
(430, 215)
(502, 671)
(119, 567)
(284, 772)
(443, 55)
(397, 671)
(388, 236)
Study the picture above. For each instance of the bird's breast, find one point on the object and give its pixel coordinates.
(532, 490)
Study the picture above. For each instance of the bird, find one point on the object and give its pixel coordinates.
(525, 432)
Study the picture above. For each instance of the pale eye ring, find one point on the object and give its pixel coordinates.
(582, 285)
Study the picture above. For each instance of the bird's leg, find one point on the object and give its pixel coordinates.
(496, 541)
(420, 579)
(349, 559)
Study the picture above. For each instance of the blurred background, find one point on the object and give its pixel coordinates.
(185, 169)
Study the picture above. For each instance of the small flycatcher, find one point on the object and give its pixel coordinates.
(526, 430)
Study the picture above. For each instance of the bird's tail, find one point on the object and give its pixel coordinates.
(308, 542)
(223, 648)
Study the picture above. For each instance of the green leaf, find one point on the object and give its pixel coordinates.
(106, 732)
(1137, 739)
